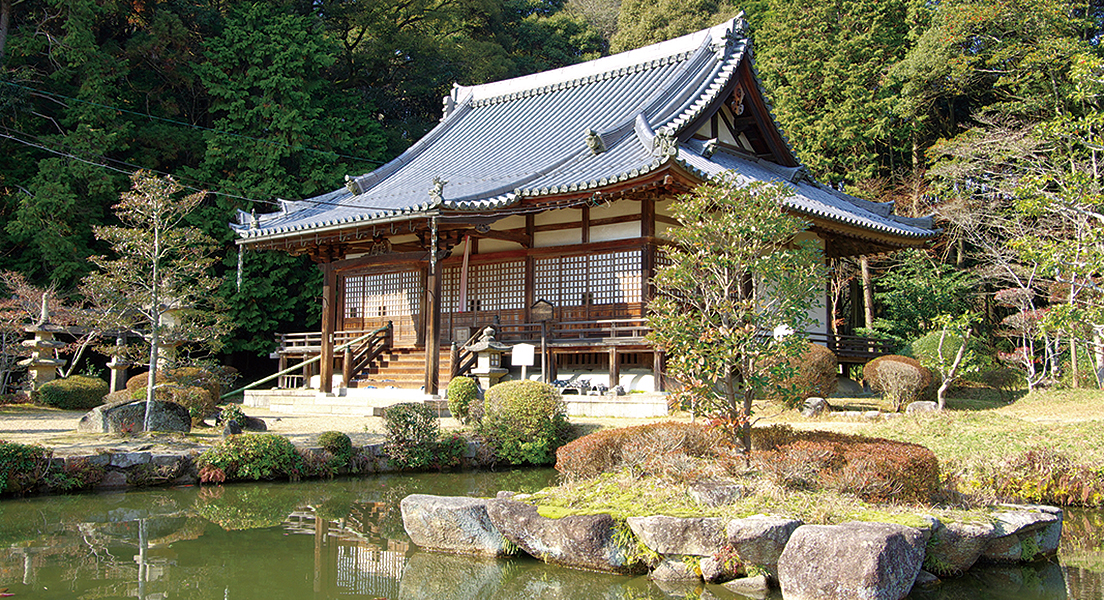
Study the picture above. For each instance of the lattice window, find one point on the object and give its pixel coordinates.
(615, 277)
(354, 297)
(383, 295)
(497, 286)
(546, 275)
(450, 288)
(610, 278)
(491, 286)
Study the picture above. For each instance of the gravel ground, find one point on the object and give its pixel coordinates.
(57, 429)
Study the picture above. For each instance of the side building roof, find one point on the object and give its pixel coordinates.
(584, 130)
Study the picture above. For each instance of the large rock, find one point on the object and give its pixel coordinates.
(760, 539)
(674, 568)
(1024, 533)
(922, 406)
(955, 547)
(814, 407)
(129, 417)
(452, 524)
(579, 541)
(852, 561)
(700, 536)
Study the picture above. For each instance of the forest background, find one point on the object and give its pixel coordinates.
(985, 113)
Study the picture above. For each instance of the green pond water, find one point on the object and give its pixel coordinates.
(344, 539)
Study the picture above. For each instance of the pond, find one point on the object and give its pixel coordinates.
(344, 539)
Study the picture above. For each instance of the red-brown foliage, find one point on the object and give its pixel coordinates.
(638, 448)
(874, 469)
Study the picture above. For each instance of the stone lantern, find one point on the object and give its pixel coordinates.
(488, 359)
(42, 365)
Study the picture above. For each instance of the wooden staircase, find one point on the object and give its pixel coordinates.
(401, 368)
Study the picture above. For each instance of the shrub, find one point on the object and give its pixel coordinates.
(22, 466)
(814, 373)
(525, 421)
(899, 378)
(338, 444)
(1041, 475)
(76, 474)
(196, 399)
(642, 448)
(412, 430)
(231, 413)
(210, 381)
(462, 392)
(72, 393)
(873, 469)
(250, 456)
(1003, 379)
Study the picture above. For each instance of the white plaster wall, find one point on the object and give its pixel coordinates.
(487, 246)
(615, 209)
(544, 239)
(818, 314)
(617, 231)
(564, 215)
(514, 222)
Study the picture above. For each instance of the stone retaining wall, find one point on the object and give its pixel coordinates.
(127, 468)
(858, 560)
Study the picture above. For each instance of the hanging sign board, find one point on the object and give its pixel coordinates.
(522, 355)
(541, 311)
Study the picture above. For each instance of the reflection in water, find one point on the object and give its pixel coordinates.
(344, 539)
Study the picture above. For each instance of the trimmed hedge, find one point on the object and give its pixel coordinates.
(338, 444)
(611, 450)
(814, 373)
(462, 393)
(72, 393)
(874, 469)
(899, 378)
(525, 421)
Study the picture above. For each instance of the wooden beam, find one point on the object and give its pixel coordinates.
(380, 259)
(510, 235)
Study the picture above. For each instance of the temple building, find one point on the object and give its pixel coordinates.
(537, 205)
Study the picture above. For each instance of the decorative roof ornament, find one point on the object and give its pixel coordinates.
(353, 186)
(253, 222)
(736, 101)
(709, 148)
(437, 189)
(594, 142)
(665, 144)
(738, 33)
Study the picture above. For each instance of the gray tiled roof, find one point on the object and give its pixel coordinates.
(525, 137)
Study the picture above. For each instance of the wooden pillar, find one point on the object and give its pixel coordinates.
(347, 366)
(614, 369)
(647, 260)
(584, 226)
(530, 270)
(329, 317)
(433, 316)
